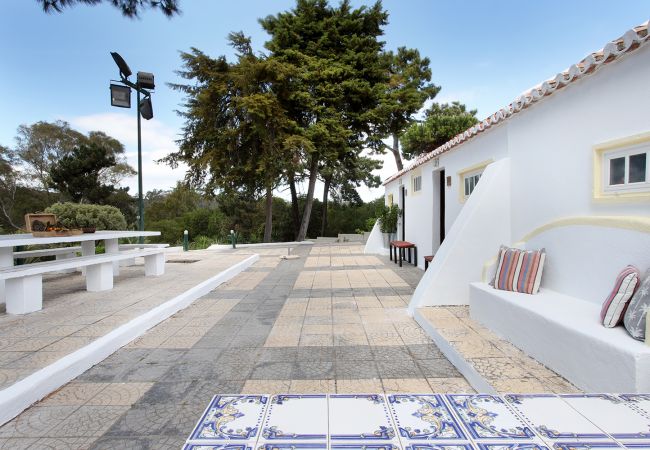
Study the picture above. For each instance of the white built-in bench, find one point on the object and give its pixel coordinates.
(560, 326)
(24, 284)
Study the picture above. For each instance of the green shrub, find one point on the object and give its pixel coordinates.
(201, 242)
(388, 219)
(75, 215)
(171, 231)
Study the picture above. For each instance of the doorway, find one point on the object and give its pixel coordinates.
(441, 202)
(438, 208)
(403, 202)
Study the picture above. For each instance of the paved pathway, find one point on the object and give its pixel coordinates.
(73, 317)
(331, 321)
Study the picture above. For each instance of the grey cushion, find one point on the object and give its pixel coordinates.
(637, 310)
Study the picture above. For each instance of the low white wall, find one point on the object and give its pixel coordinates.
(20, 395)
(375, 242)
(584, 259)
(482, 225)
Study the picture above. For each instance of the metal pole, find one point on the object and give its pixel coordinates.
(140, 199)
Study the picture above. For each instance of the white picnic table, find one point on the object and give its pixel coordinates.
(111, 243)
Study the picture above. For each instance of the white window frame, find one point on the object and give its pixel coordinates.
(417, 183)
(607, 156)
(469, 178)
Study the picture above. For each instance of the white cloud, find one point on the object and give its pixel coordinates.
(158, 140)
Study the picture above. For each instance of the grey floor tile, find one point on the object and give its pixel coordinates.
(438, 368)
(398, 369)
(313, 370)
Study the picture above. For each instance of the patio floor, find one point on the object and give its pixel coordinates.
(332, 321)
(72, 317)
(326, 325)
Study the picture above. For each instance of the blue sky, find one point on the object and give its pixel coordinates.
(484, 54)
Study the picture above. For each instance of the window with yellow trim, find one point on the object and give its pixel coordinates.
(470, 181)
(627, 169)
(389, 200)
(417, 183)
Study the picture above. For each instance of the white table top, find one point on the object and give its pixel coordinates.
(15, 240)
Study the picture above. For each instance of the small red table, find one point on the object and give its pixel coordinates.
(400, 249)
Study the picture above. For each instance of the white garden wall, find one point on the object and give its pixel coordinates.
(483, 224)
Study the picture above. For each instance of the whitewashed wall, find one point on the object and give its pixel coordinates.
(550, 146)
(421, 208)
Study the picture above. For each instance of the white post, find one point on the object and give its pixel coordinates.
(87, 249)
(99, 277)
(112, 246)
(6, 260)
(154, 265)
(24, 295)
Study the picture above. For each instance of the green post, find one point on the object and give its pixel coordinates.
(233, 238)
(140, 199)
(186, 241)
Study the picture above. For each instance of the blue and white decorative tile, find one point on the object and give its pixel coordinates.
(360, 417)
(552, 418)
(423, 417)
(512, 446)
(230, 418)
(298, 445)
(587, 445)
(611, 414)
(488, 417)
(218, 447)
(640, 402)
(441, 446)
(637, 445)
(296, 418)
(365, 446)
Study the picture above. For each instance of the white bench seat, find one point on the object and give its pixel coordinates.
(134, 246)
(565, 334)
(24, 284)
(59, 252)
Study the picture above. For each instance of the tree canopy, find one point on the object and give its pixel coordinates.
(129, 8)
(441, 123)
(404, 93)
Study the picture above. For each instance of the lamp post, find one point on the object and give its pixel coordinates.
(121, 97)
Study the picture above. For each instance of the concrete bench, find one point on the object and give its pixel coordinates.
(24, 284)
(560, 326)
(134, 246)
(131, 262)
(59, 252)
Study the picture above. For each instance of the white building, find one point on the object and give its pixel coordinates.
(565, 166)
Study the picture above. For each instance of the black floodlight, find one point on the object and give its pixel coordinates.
(146, 109)
(145, 80)
(125, 72)
(120, 96)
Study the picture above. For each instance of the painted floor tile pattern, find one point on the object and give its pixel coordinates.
(425, 422)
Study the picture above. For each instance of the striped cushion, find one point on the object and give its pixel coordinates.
(519, 270)
(615, 305)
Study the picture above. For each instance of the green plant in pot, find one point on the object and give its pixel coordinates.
(388, 222)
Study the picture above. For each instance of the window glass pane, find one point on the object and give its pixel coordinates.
(637, 168)
(616, 171)
(466, 187)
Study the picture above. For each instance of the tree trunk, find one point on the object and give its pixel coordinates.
(268, 226)
(309, 201)
(295, 208)
(396, 153)
(326, 191)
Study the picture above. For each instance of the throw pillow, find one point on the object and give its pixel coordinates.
(519, 270)
(637, 310)
(615, 304)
